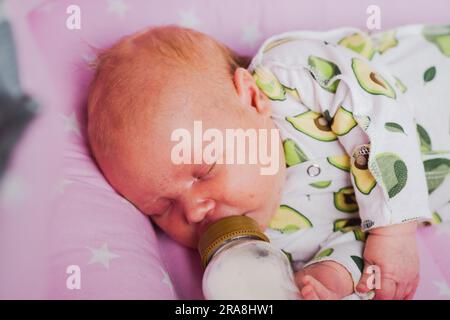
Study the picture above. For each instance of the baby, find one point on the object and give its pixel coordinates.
(350, 184)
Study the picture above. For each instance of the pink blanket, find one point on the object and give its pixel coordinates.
(57, 211)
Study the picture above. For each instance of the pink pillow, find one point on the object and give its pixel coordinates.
(90, 225)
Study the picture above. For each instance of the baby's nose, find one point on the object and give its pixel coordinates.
(198, 211)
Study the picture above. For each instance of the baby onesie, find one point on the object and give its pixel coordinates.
(365, 125)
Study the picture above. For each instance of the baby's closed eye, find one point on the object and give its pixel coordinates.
(206, 171)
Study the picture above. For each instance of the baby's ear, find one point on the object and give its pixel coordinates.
(249, 93)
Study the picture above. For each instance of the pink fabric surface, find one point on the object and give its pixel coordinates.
(87, 221)
(435, 262)
(28, 184)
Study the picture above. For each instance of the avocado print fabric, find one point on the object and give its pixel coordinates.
(365, 129)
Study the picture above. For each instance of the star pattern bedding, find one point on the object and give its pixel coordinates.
(119, 253)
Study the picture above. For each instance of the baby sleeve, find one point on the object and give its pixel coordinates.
(373, 121)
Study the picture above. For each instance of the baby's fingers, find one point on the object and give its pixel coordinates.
(400, 293)
(363, 284)
(387, 290)
(411, 289)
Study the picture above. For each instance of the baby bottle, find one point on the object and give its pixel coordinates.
(240, 263)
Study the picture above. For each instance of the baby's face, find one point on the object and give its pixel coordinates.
(183, 198)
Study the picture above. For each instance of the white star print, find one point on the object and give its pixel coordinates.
(443, 228)
(166, 279)
(88, 57)
(118, 7)
(444, 290)
(12, 190)
(48, 7)
(188, 19)
(71, 123)
(62, 185)
(102, 255)
(251, 34)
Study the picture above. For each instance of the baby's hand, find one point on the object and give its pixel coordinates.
(393, 250)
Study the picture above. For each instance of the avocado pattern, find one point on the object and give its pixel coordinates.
(293, 92)
(364, 180)
(363, 121)
(314, 125)
(289, 220)
(359, 262)
(342, 122)
(435, 219)
(288, 255)
(439, 36)
(360, 43)
(350, 225)
(362, 176)
(359, 234)
(346, 225)
(269, 84)
(345, 200)
(277, 43)
(387, 41)
(321, 184)
(436, 170)
(400, 85)
(325, 253)
(323, 71)
(370, 80)
(394, 127)
(393, 172)
(293, 154)
(341, 162)
(390, 169)
(429, 74)
(424, 139)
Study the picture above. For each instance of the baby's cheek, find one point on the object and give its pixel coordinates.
(244, 187)
(176, 227)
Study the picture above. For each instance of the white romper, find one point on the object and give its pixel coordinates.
(365, 124)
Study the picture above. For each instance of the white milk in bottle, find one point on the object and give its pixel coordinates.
(240, 263)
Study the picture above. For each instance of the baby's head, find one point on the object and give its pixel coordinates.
(154, 82)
